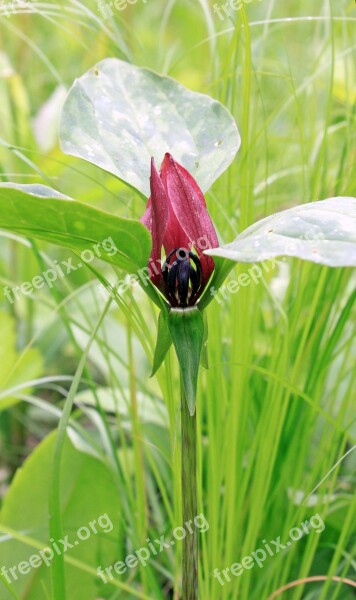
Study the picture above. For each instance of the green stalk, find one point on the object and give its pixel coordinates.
(189, 500)
(55, 521)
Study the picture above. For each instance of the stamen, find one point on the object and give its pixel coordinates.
(183, 277)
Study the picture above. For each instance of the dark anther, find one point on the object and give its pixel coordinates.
(183, 277)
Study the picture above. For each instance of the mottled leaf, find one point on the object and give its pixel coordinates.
(118, 116)
(323, 232)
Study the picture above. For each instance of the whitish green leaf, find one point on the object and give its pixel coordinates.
(118, 116)
(40, 212)
(323, 232)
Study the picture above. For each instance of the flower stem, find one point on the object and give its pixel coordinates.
(189, 500)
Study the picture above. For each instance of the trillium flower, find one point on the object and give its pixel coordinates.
(178, 220)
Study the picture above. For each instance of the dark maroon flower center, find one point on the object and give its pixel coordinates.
(182, 273)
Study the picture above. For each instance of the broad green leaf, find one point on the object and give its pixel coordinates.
(88, 491)
(118, 116)
(186, 327)
(323, 232)
(40, 212)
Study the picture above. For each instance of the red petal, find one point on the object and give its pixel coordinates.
(190, 212)
(156, 220)
(175, 236)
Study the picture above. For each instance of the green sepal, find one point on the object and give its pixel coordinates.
(222, 269)
(164, 342)
(186, 327)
